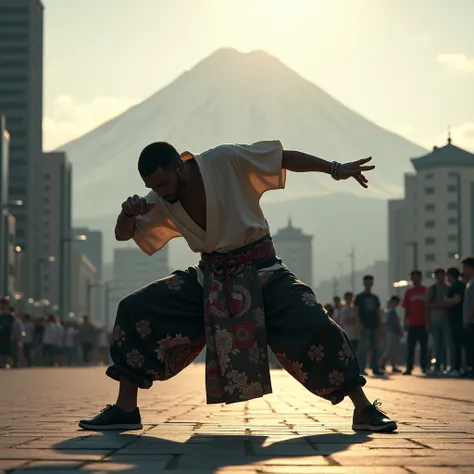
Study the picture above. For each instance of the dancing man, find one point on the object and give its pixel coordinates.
(238, 299)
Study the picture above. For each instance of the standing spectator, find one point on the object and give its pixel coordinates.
(38, 344)
(350, 321)
(28, 340)
(454, 304)
(6, 333)
(468, 314)
(59, 337)
(370, 316)
(415, 322)
(438, 324)
(394, 333)
(70, 342)
(87, 335)
(336, 314)
(103, 343)
(49, 338)
(18, 336)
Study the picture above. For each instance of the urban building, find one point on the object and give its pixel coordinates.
(83, 277)
(53, 260)
(92, 248)
(21, 101)
(296, 250)
(4, 158)
(134, 269)
(433, 225)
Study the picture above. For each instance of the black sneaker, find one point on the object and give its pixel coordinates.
(372, 418)
(113, 418)
(407, 372)
(396, 370)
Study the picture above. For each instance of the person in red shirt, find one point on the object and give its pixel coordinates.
(415, 322)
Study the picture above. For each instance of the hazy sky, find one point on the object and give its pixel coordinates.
(407, 65)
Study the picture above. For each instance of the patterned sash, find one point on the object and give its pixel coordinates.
(237, 356)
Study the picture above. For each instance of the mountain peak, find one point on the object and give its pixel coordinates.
(230, 61)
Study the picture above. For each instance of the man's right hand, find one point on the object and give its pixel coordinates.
(136, 206)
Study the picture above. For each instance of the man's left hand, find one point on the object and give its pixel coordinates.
(355, 170)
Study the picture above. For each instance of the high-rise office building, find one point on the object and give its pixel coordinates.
(53, 259)
(21, 101)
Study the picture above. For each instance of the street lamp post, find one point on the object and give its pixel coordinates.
(62, 273)
(352, 256)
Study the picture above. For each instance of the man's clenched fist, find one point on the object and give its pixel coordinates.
(136, 206)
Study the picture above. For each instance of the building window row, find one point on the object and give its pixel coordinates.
(14, 23)
(451, 188)
(14, 10)
(432, 224)
(431, 257)
(13, 79)
(12, 37)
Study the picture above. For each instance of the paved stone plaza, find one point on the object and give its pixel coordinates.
(288, 432)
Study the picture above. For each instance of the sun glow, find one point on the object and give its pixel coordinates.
(284, 6)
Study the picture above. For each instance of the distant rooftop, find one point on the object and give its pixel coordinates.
(447, 155)
(290, 233)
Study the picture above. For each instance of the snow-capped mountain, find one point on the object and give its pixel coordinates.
(231, 97)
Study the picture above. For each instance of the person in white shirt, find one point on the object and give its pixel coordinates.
(70, 342)
(349, 320)
(28, 339)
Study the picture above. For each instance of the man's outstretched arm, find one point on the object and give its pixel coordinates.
(302, 162)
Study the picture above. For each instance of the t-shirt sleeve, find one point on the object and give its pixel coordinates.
(260, 165)
(155, 229)
(358, 301)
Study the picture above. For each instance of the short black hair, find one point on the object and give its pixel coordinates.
(156, 155)
(368, 277)
(348, 294)
(439, 270)
(468, 262)
(395, 298)
(454, 272)
(415, 273)
(336, 298)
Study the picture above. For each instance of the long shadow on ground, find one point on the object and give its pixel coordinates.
(202, 453)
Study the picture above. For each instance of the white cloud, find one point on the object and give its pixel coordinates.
(70, 120)
(458, 61)
(462, 136)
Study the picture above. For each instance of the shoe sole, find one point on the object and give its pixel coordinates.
(385, 428)
(86, 426)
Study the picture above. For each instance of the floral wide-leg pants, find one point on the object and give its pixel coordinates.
(159, 331)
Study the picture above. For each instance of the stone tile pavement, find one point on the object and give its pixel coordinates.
(288, 432)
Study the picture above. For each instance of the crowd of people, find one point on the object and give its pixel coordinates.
(439, 318)
(49, 341)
